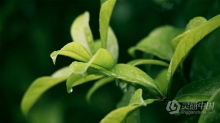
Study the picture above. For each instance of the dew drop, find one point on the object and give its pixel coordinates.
(71, 90)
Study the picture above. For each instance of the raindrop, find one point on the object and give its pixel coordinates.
(71, 90)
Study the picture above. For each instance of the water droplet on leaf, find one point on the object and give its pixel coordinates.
(71, 90)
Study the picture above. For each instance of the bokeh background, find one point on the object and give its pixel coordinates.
(31, 29)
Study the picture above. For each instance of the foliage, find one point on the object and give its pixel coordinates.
(168, 48)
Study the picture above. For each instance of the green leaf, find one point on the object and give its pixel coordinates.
(77, 79)
(197, 21)
(97, 44)
(131, 75)
(147, 61)
(198, 91)
(112, 44)
(161, 81)
(102, 58)
(80, 32)
(39, 86)
(158, 42)
(128, 73)
(119, 115)
(126, 97)
(137, 98)
(105, 15)
(74, 50)
(212, 116)
(97, 85)
(188, 42)
(178, 38)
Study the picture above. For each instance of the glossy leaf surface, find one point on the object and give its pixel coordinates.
(198, 91)
(128, 73)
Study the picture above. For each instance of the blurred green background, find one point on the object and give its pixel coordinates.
(30, 30)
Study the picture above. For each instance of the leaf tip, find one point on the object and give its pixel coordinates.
(131, 51)
(53, 56)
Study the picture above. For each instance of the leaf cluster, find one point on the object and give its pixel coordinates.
(97, 60)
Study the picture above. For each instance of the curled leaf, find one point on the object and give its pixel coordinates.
(80, 32)
(102, 58)
(74, 50)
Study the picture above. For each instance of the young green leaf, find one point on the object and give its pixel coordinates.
(161, 81)
(97, 85)
(97, 44)
(74, 50)
(147, 61)
(197, 21)
(39, 86)
(105, 15)
(80, 32)
(137, 98)
(119, 115)
(102, 58)
(112, 44)
(126, 97)
(77, 79)
(158, 42)
(177, 39)
(188, 42)
(212, 109)
(198, 91)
